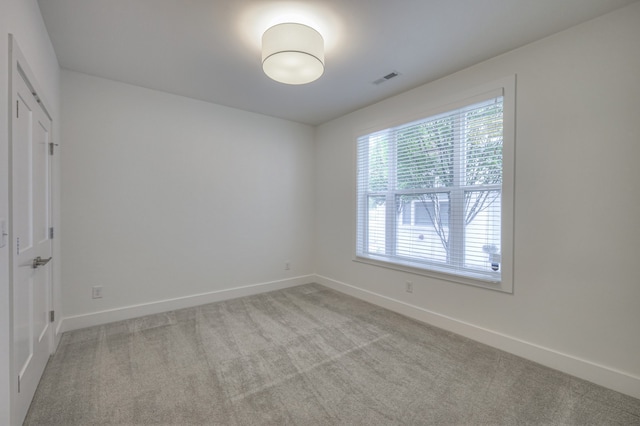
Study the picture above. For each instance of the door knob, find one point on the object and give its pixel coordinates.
(38, 261)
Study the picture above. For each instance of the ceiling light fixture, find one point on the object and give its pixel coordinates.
(292, 53)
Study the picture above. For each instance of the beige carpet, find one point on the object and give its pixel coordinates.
(307, 356)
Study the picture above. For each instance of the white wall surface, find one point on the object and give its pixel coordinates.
(577, 236)
(166, 197)
(21, 18)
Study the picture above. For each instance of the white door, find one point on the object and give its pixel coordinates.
(30, 197)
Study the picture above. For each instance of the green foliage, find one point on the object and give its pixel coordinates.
(378, 164)
(425, 155)
(483, 146)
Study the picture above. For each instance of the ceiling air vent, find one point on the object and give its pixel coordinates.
(387, 77)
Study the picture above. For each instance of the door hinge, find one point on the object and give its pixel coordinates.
(18, 383)
(51, 233)
(51, 147)
(17, 109)
(52, 316)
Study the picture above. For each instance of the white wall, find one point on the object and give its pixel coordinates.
(577, 236)
(21, 18)
(166, 197)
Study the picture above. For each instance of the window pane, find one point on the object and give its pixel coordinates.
(376, 237)
(425, 154)
(378, 163)
(483, 145)
(482, 230)
(431, 212)
(425, 236)
(406, 212)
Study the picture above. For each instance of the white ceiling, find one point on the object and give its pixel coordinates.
(210, 49)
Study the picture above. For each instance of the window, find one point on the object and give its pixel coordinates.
(431, 194)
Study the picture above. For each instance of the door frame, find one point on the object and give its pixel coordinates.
(19, 68)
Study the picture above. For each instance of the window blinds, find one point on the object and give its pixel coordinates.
(429, 192)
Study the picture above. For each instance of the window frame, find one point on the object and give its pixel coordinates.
(505, 87)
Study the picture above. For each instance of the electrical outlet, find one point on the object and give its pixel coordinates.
(287, 265)
(409, 287)
(96, 292)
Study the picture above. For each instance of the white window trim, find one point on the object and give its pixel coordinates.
(507, 88)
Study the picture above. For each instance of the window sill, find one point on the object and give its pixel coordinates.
(412, 268)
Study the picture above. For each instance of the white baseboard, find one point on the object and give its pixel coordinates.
(602, 375)
(605, 376)
(134, 311)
